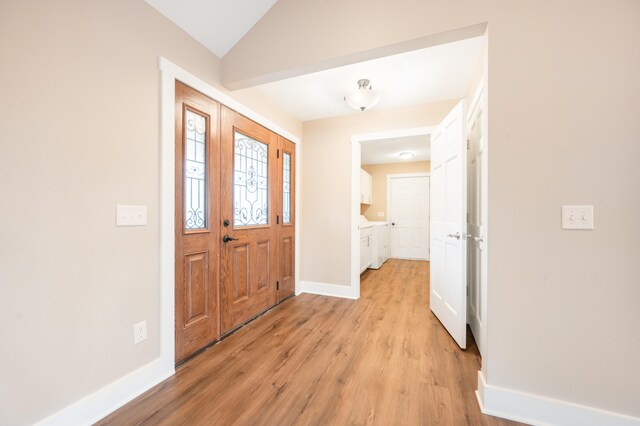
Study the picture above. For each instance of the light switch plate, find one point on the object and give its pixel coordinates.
(577, 217)
(131, 215)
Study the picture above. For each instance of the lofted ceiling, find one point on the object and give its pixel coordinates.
(383, 151)
(217, 24)
(427, 75)
(421, 76)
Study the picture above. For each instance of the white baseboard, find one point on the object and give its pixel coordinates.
(99, 404)
(334, 290)
(539, 410)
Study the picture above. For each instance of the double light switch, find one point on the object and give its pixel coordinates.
(577, 217)
(131, 215)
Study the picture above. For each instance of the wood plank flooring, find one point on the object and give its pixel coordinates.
(316, 360)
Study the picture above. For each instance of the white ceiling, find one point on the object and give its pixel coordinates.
(386, 150)
(217, 24)
(421, 76)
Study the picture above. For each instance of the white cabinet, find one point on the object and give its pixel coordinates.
(366, 183)
(380, 246)
(366, 249)
(374, 245)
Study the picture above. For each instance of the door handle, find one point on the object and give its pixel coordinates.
(227, 238)
(478, 239)
(456, 235)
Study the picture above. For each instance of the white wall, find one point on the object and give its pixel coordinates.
(563, 88)
(79, 132)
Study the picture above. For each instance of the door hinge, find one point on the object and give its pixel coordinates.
(278, 152)
(277, 285)
(277, 219)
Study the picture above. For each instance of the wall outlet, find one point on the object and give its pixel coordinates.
(380, 214)
(577, 217)
(139, 332)
(131, 215)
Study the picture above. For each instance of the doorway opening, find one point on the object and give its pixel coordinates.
(381, 229)
(456, 207)
(234, 220)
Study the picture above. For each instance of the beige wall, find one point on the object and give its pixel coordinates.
(326, 182)
(562, 91)
(79, 132)
(379, 174)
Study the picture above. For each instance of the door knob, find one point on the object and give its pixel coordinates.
(456, 235)
(227, 238)
(478, 239)
(393, 224)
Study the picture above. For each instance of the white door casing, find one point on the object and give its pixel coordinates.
(449, 223)
(476, 248)
(408, 215)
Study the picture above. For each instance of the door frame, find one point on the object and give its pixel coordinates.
(169, 73)
(409, 175)
(356, 155)
(480, 102)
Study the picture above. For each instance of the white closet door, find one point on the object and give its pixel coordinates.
(449, 223)
(409, 217)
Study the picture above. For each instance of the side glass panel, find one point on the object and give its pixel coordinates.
(250, 182)
(286, 188)
(195, 171)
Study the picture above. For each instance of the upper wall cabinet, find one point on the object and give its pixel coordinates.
(365, 187)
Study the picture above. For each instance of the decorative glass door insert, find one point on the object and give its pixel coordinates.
(286, 188)
(195, 171)
(250, 181)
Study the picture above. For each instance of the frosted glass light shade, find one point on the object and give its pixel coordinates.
(363, 98)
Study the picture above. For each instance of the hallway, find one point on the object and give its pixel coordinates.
(384, 359)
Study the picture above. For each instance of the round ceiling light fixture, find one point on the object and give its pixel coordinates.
(407, 155)
(364, 97)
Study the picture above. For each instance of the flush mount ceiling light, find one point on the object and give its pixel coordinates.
(364, 97)
(406, 155)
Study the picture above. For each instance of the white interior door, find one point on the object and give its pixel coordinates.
(408, 213)
(449, 224)
(476, 227)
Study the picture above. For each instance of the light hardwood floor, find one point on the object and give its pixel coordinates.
(315, 360)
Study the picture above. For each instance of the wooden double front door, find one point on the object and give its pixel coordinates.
(234, 220)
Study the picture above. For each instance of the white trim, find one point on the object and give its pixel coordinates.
(355, 216)
(356, 140)
(475, 103)
(400, 176)
(333, 290)
(407, 175)
(401, 133)
(539, 410)
(479, 103)
(99, 404)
